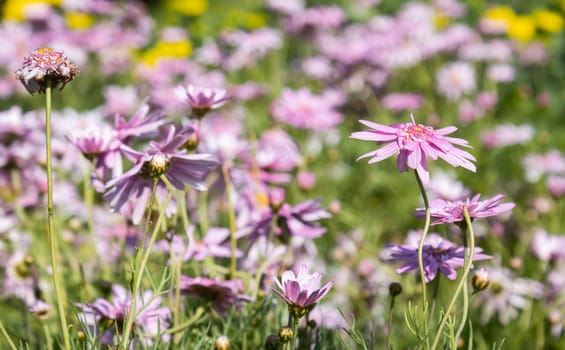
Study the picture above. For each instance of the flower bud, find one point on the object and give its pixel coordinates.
(276, 198)
(285, 334)
(395, 289)
(306, 180)
(222, 343)
(480, 280)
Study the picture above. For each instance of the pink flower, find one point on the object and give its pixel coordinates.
(201, 99)
(439, 255)
(443, 211)
(414, 143)
(221, 295)
(455, 80)
(508, 135)
(398, 102)
(302, 109)
(301, 291)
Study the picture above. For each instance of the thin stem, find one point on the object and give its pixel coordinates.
(7, 336)
(294, 332)
(231, 214)
(140, 267)
(467, 268)
(48, 336)
(421, 253)
(389, 321)
(58, 286)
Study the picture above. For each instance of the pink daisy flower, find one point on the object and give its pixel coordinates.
(414, 143)
(201, 99)
(301, 291)
(443, 211)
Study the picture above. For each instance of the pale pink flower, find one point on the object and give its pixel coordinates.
(455, 80)
(443, 211)
(508, 135)
(302, 109)
(414, 143)
(301, 291)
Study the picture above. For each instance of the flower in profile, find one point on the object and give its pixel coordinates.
(43, 67)
(109, 317)
(301, 291)
(414, 143)
(438, 255)
(162, 160)
(443, 212)
(222, 295)
(201, 99)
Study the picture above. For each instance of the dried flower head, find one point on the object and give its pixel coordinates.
(43, 67)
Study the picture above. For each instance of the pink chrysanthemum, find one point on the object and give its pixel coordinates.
(45, 65)
(414, 143)
(301, 291)
(443, 211)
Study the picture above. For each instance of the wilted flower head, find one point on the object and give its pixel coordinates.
(201, 99)
(414, 143)
(438, 255)
(43, 67)
(301, 291)
(443, 211)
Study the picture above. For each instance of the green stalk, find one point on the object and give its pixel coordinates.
(141, 264)
(420, 254)
(58, 285)
(463, 281)
(294, 332)
(231, 213)
(7, 336)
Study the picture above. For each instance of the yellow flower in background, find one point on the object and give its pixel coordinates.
(78, 20)
(255, 20)
(500, 14)
(441, 21)
(15, 9)
(187, 7)
(167, 49)
(522, 28)
(549, 21)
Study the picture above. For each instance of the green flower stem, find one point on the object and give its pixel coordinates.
(88, 192)
(420, 254)
(231, 213)
(142, 262)
(7, 336)
(48, 339)
(176, 265)
(294, 332)
(463, 281)
(58, 285)
(389, 321)
(188, 323)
